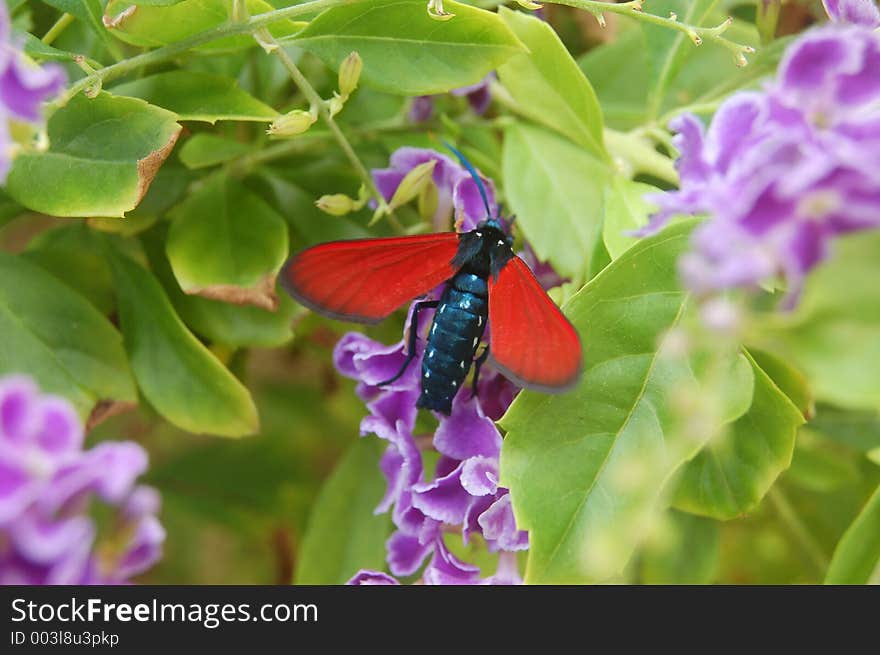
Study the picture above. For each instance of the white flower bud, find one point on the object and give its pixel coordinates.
(350, 73)
(292, 123)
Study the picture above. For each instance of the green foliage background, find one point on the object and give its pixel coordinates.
(140, 251)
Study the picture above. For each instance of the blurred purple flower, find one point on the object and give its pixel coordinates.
(478, 95)
(457, 190)
(858, 12)
(23, 88)
(46, 484)
(782, 172)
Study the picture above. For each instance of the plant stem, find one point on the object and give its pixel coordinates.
(59, 26)
(633, 154)
(317, 102)
(798, 529)
(696, 34)
(171, 50)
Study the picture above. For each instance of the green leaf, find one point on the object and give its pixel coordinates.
(103, 155)
(789, 380)
(548, 86)
(625, 210)
(56, 336)
(556, 191)
(154, 25)
(343, 534)
(180, 378)
(407, 52)
(856, 559)
(226, 243)
(222, 322)
(832, 335)
(730, 476)
(89, 12)
(197, 96)
(69, 253)
(687, 552)
(583, 466)
(40, 51)
(203, 150)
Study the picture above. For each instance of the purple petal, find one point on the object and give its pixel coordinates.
(732, 123)
(144, 549)
(507, 572)
(479, 476)
(60, 431)
(421, 110)
(365, 577)
(499, 526)
(858, 12)
(25, 86)
(17, 486)
(814, 58)
(446, 569)
(44, 541)
(691, 164)
(17, 416)
(467, 432)
(443, 499)
(406, 553)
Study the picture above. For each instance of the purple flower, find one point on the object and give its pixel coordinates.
(782, 172)
(23, 88)
(858, 12)
(456, 188)
(478, 95)
(47, 482)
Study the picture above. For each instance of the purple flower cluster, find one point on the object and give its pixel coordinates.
(478, 96)
(460, 493)
(456, 189)
(23, 88)
(47, 482)
(784, 171)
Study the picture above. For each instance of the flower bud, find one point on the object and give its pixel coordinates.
(350, 73)
(412, 185)
(335, 104)
(292, 123)
(337, 204)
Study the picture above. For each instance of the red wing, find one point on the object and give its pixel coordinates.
(364, 280)
(531, 341)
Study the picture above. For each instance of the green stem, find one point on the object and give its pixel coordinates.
(633, 154)
(171, 50)
(317, 102)
(696, 34)
(59, 26)
(798, 529)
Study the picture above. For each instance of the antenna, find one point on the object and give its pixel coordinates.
(473, 171)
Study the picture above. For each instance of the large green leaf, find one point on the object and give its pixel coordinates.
(548, 86)
(584, 466)
(407, 52)
(104, 153)
(856, 429)
(730, 476)
(343, 533)
(832, 335)
(158, 24)
(222, 322)
(56, 336)
(176, 373)
(226, 243)
(196, 96)
(555, 188)
(857, 557)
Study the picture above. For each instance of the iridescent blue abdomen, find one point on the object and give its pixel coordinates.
(458, 326)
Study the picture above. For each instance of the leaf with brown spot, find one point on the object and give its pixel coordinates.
(226, 243)
(89, 170)
(261, 295)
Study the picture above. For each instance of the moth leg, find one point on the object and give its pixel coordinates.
(413, 336)
(478, 362)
